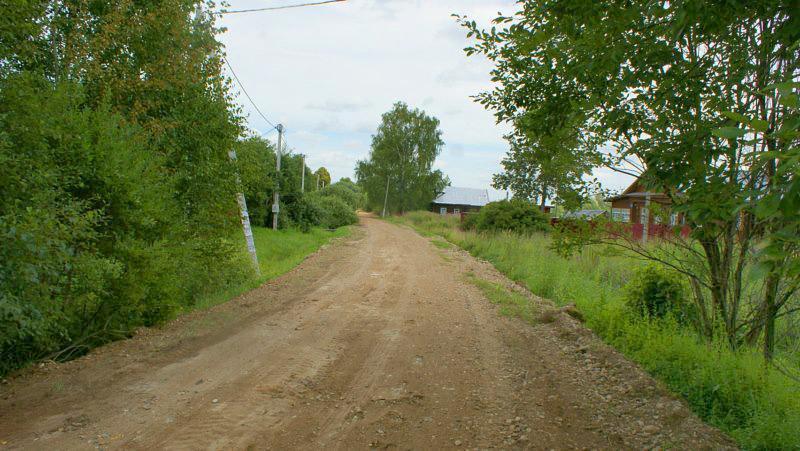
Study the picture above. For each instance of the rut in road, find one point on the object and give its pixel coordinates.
(377, 341)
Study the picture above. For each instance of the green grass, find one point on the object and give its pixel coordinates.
(733, 390)
(441, 244)
(278, 253)
(510, 303)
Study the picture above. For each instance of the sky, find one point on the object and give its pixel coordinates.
(328, 72)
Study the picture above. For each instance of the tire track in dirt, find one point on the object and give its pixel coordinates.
(374, 342)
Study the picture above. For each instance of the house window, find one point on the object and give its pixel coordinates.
(442, 210)
(456, 211)
(621, 214)
(673, 219)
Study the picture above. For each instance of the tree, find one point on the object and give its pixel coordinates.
(118, 197)
(548, 169)
(324, 177)
(403, 152)
(255, 158)
(660, 90)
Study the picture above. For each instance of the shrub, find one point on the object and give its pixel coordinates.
(347, 191)
(514, 215)
(655, 292)
(300, 212)
(334, 212)
(25, 333)
(469, 221)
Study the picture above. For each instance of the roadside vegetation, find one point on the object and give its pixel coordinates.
(699, 102)
(278, 253)
(638, 309)
(117, 194)
(308, 199)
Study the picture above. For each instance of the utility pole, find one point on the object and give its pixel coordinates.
(303, 175)
(317, 180)
(276, 197)
(385, 197)
(248, 232)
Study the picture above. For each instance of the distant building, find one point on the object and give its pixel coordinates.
(456, 200)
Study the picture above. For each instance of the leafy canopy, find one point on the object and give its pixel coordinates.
(403, 152)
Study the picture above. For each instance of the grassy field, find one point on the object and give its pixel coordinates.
(757, 405)
(278, 252)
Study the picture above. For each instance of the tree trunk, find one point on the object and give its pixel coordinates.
(544, 198)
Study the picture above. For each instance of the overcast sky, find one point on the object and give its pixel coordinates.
(328, 73)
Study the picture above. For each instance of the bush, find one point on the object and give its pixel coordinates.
(298, 212)
(514, 215)
(25, 333)
(347, 191)
(655, 292)
(334, 212)
(469, 221)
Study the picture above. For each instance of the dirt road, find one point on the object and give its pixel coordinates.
(377, 341)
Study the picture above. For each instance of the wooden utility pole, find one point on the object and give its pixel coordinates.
(303, 175)
(276, 197)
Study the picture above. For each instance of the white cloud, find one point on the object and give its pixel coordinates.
(329, 72)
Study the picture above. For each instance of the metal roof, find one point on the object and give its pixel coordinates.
(463, 196)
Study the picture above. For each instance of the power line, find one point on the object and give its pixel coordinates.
(239, 82)
(273, 8)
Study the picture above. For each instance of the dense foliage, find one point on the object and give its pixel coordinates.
(303, 204)
(399, 171)
(515, 215)
(700, 99)
(116, 208)
(346, 190)
(654, 292)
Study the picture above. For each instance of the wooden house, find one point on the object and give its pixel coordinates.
(648, 212)
(456, 200)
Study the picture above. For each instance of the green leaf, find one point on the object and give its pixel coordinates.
(789, 100)
(785, 88)
(736, 117)
(759, 125)
(729, 132)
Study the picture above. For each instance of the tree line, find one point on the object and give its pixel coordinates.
(308, 199)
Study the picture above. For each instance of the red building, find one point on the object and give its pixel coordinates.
(648, 212)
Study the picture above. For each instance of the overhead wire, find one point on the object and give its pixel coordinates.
(273, 8)
(252, 102)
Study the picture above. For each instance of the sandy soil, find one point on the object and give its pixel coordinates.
(376, 341)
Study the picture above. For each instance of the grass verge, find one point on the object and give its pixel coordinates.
(278, 252)
(733, 390)
(511, 304)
